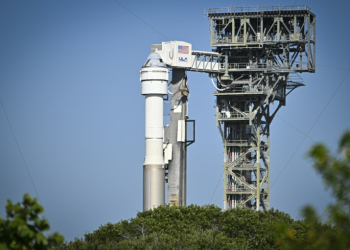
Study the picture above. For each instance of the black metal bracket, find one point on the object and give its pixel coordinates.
(193, 124)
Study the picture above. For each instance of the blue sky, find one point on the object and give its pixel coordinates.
(69, 83)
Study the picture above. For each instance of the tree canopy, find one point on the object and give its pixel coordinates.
(23, 229)
(335, 172)
(192, 227)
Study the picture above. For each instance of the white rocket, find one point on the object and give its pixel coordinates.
(154, 77)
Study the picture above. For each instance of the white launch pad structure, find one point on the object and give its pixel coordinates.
(258, 52)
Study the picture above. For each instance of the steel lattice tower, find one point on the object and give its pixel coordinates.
(264, 48)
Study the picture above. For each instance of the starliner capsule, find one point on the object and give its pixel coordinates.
(154, 77)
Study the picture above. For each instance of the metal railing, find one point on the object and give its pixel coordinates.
(267, 38)
(295, 79)
(246, 89)
(237, 141)
(238, 189)
(248, 66)
(256, 9)
(246, 164)
(234, 115)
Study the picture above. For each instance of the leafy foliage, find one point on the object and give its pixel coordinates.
(23, 229)
(335, 172)
(191, 227)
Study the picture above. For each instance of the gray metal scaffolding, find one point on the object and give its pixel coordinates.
(261, 51)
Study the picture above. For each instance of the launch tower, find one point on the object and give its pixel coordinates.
(263, 48)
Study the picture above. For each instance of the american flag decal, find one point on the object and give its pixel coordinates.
(183, 49)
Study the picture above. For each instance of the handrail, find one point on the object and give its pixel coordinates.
(257, 9)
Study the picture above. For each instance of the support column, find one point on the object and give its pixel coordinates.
(225, 176)
(268, 160)
(295, 28)
(245, 31)
(261, 30)
(233, 33)
(177, 166)
(278, 29)
(258, 168)
(212, 39)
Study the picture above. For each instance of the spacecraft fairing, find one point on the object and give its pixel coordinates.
(154, 77)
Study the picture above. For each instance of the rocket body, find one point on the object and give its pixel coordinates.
(154, 84)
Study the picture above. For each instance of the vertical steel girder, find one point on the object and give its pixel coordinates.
(262, 46)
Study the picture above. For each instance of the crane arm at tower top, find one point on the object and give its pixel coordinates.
(179, 54)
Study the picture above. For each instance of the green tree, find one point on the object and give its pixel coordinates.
(192, 227)
(335, 172)
(23, 229)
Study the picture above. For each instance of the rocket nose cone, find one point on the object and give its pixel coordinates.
(154, 60)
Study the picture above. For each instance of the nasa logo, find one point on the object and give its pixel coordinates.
(182, 59)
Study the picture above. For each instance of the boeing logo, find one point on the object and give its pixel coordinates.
(182, 59)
